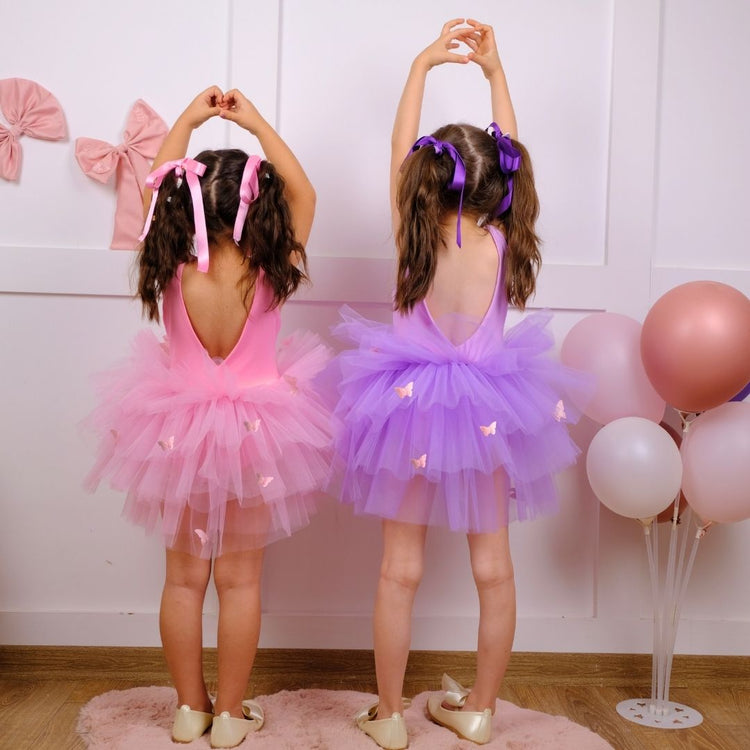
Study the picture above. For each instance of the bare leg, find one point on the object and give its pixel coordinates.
(237, 577)
(400, 575)
(181, 626)
(493, 575)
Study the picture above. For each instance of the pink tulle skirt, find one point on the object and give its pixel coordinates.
(211, 464)
(430, 437)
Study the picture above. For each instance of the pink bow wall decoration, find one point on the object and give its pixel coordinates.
(131, 162)
(30, 110)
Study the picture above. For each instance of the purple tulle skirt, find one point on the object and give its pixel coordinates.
(433, 437)
(209, 463)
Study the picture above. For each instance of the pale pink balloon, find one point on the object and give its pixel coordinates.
(607, 345)
(634, 467)
(695, 344)
(716, 457)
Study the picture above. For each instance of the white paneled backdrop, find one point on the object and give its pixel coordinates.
(635, 112)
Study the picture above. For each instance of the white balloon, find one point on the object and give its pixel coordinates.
(634, 467)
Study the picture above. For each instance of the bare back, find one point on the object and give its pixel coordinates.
(464, 283)
(214, 300)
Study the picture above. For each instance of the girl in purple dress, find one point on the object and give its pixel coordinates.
(447, 420)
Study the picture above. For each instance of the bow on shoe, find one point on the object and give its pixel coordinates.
(30, 110)
(130, 161)
(455, 694)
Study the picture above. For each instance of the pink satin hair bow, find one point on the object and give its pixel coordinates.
(248, 193)
(130, 161)
(29, 110)
(191, 170)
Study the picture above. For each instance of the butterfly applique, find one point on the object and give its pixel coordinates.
(202, 536)
(407, 390)
(419, 463)
(168, 444)
(263, 481)
(560, 411)
(292, 381)
(252, 425)
(488, 430)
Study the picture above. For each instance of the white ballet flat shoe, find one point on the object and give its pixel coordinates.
(227, 731)
(389, 734)
(475, 726)
(189, 725)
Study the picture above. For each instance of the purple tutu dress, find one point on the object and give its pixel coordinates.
(453, 426)
(215, 455)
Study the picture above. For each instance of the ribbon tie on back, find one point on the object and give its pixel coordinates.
(458, 180)
(249, 191)
(509, 159)
(130, 161)
(191, 169)
(30, 110)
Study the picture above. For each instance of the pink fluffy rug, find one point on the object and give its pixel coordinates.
(141, 719)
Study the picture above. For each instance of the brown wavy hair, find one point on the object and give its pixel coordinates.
(267, 237)
(423, 198)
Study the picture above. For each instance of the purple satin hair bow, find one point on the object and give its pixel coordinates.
(192, 170)
(248, 193)
(509, 158)
(458, 181)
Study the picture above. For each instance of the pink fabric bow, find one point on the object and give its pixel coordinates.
(131, 161)
(30, 110)
(248, 193)
(192, 170)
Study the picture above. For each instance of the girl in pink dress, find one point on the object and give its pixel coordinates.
(215, 435)
(447, 420)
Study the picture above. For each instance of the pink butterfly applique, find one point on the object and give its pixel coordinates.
(292, 383)
(407, 390)
(560, 411)
(202, 536)
(264, 481)
(490, 429)
(252, 426)
(168, 444)
(419, 463)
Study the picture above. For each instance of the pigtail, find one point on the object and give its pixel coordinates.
(268, 236)
(167, 244)
(421, 200)
(523, 258)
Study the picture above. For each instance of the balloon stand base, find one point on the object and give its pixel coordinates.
(659, 714)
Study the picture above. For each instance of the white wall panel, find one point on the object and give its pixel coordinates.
(610, 96)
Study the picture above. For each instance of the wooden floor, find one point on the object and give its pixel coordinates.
(43, 688)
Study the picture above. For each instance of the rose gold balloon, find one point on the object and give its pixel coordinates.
(695, 345)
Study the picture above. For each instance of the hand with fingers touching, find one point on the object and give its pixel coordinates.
(205, 106)
(236, 107)
(483, 48)
(440, 51)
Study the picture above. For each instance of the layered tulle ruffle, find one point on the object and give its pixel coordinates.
(212, 463)
(431, 436)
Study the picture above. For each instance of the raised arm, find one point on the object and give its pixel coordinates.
(300, 193)
(406, 124)
(484, 53)
(175, 145)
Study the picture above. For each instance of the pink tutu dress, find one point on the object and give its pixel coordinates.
(216, 455)
(451, 422)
